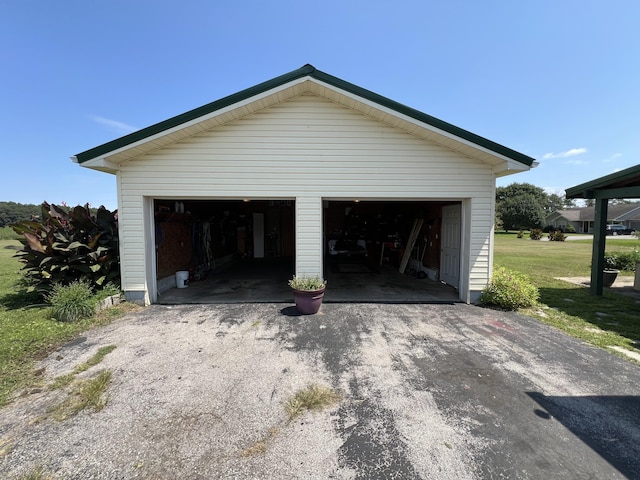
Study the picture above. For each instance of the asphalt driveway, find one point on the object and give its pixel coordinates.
(427, 391)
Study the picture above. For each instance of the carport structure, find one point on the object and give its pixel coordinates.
(623, 184)
(288, 166)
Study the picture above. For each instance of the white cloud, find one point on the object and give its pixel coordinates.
(569, 153)
(114, 124)
(613, 157)
(577, 161)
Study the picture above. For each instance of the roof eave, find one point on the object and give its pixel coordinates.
(585, 190)
(100, 164)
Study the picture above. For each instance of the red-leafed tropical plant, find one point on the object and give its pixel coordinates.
(70, 244)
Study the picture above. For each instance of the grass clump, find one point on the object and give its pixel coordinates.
(64, 380)
(314, 397)
(261, 446)
(73, 302)
(96, 359)
(510, 290)
(36, 473)
(86, 394)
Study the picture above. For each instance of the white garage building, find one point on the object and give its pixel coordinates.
(282, 168)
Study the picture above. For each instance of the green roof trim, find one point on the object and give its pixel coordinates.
(305, 71)
(629, 177)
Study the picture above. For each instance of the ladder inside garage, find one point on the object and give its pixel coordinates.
(411, 242)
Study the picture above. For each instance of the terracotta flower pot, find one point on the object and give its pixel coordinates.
(308, 301)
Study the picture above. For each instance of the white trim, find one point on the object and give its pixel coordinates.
(101, 163)
(464, 285)
(151, 273)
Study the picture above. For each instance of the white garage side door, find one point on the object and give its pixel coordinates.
(450, 246)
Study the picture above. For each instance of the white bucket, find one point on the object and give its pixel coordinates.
(182, 279)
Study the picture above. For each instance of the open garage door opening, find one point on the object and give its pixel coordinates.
(392, 251)
(224, 251)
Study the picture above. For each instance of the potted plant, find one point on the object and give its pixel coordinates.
(609, 276)
(610, 272)
(308, 293)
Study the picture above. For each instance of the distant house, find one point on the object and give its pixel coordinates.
(583, 218)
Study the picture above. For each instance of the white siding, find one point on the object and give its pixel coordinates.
(308, 235)
(307, 148)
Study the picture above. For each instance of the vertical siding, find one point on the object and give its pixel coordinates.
(307, 148)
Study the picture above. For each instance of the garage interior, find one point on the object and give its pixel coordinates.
(238, 251)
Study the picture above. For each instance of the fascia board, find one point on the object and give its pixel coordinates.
(99, 163)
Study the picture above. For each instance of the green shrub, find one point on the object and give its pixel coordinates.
(557, 236)
(73, 302)
(570, 228)
(7, 233)
(622, 260)
(509, 290)
(535, 234)
(69, 244)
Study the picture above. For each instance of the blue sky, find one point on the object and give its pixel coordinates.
(557, 80)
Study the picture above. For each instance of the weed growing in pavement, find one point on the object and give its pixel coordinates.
(261, 446)
(64, 380)
(85, 394)
(5, 446)
(36, 473)
(314, 397)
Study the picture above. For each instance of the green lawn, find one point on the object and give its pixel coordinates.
(27, 331)
(612, 319)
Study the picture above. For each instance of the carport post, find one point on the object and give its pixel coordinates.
(599, 239)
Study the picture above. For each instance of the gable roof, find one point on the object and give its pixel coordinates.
(307, 78)
(622, 184)
(570, 214)
(615, 213)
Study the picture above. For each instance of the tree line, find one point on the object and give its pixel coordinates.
(522, 206)
(12, 212)
(518, 206)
